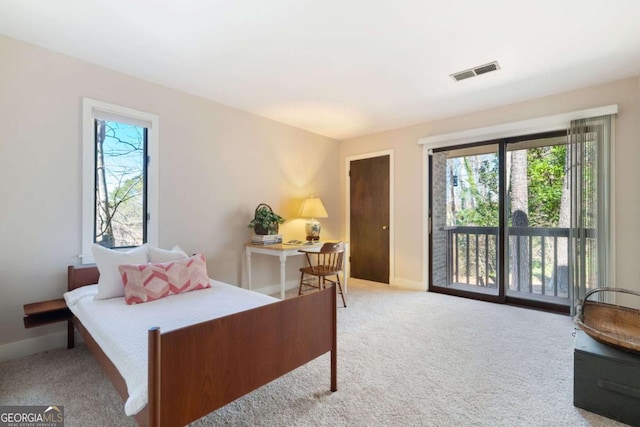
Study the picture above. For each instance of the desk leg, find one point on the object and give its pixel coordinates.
(283, 261)
(345, 279)
(248, 255)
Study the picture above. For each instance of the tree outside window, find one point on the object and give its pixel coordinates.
(120, 184)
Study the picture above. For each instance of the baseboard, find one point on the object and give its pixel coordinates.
(397, 282)
(275, 289)
(408, 284)
(15, 350)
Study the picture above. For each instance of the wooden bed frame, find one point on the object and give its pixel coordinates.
(197, 369)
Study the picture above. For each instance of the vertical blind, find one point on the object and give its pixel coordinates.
(589, 178)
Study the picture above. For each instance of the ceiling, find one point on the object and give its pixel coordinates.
(344, 68)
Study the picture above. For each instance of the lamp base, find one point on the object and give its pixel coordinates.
(312, 229)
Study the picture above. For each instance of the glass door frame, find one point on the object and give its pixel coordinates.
(502, 252)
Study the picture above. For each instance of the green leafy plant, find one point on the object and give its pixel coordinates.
(265, 221)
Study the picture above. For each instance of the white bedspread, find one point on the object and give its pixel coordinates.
(121, 330)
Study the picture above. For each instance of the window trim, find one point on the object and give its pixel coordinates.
(89, 107)
(510, 129)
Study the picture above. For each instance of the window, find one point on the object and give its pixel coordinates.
(120, 169)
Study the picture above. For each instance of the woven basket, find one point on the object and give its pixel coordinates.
(271, 228)
(610, 324)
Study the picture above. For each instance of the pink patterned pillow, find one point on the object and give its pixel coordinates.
(149, 282)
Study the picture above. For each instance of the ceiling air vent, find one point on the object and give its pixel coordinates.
(475, 71)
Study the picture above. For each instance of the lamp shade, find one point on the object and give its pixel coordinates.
(313, 208)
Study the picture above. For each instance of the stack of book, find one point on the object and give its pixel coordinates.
(268, 239)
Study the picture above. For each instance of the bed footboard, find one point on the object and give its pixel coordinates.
(198, 369)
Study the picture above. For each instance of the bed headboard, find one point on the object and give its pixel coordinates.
(78, 276)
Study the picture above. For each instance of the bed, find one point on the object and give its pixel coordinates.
(194, 369)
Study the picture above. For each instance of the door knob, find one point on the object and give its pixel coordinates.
(384, 227)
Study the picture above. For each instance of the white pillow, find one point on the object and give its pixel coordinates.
(157, 255)
(110, 283)
(72, 297)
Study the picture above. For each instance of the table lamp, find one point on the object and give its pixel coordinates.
(312, 208)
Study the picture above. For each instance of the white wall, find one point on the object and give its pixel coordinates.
(409, 190)
(216, 165)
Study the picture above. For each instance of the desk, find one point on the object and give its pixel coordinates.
(282, 252)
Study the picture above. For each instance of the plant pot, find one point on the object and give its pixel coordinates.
(265, 221)
(263, 231)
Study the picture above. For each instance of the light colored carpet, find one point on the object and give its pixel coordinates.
(404, 358)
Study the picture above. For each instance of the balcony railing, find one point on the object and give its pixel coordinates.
(537, 261)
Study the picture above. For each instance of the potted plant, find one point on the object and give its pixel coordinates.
(265, 220)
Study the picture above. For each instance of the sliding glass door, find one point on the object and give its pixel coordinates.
(523, 220)
(499, 227)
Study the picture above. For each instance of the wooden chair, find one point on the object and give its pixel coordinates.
(328, 263)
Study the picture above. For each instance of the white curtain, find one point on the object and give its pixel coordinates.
(589, 171)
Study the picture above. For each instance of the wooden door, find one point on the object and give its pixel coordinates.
(369, 218)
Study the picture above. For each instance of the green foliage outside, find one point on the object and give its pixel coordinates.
(482, 192)
(545, 175)
(479, 191)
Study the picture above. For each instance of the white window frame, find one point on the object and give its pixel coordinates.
(89, 107)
